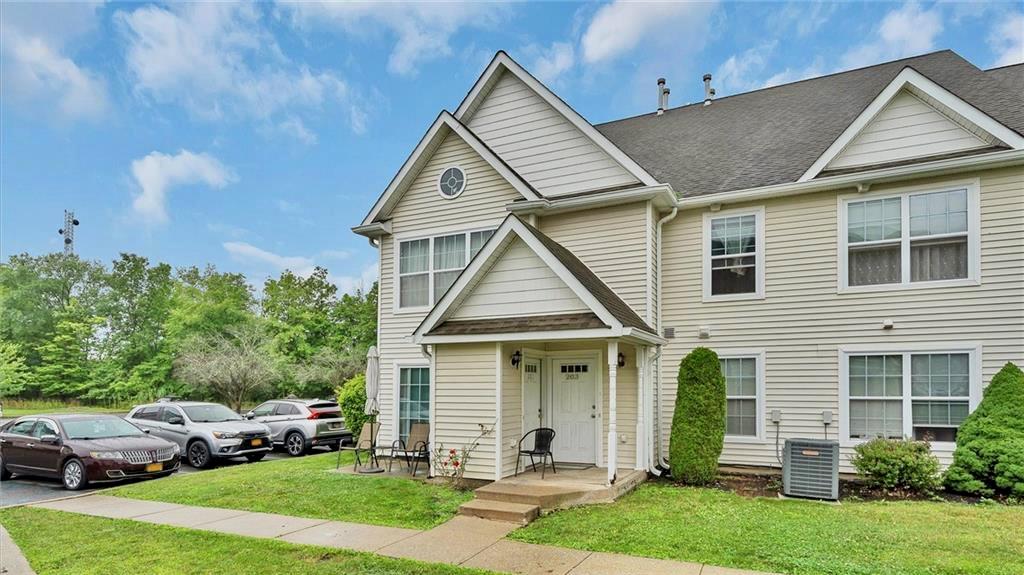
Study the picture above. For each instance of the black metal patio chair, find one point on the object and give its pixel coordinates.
(542, 438)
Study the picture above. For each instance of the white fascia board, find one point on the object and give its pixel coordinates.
(991, 160)
(663, 195)
(510, 226)
(374, 229)
(910, 76)
(504, 62)
(565, 334)
(442, 126)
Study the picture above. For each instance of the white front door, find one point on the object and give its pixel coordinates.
(574, 410)
(533, 416)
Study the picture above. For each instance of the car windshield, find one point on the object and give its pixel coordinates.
(99, 428)
(212, 413)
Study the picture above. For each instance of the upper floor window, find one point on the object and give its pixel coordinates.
(427, 267)
(734, 256)
(910, 238)
(451, 183)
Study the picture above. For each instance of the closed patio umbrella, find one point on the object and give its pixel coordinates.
(372, 407)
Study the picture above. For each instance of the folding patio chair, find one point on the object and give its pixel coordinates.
(366, 443)
(414, 449)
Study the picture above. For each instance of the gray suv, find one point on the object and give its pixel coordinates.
(205, 432)
(300, 424)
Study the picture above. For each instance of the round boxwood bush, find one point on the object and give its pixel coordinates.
(698, 423)
(352, 399)
(892, 464)
(989, 456)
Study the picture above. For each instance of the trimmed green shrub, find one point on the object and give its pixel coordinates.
(698, 423)
(352, 399)
(898, 464)
(989, 456)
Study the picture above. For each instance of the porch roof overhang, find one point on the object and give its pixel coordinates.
(608, 316)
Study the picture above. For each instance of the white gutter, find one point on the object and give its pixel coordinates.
(883, 175)
(373, 230)
(659, 460)
(553, 205)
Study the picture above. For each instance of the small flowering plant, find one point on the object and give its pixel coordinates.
(450, 463)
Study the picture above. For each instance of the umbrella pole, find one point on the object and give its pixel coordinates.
(374, 464)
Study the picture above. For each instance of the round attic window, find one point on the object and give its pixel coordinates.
(452, 182)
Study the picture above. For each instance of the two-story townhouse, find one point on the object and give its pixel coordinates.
(852, 246)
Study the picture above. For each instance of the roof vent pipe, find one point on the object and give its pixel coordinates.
(662, 96)
(709, 92)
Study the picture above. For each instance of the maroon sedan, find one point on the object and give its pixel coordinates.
(82, 449)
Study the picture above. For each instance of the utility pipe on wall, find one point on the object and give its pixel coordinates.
(659, 459)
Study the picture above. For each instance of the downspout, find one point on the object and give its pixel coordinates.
(660, 463)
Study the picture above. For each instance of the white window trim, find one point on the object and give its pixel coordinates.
(465, 181)
(397, 308)
(396, 417)
(759, 356)
(759, 253)
(973, 187)
(974, 350)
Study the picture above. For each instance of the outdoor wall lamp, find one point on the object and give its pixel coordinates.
(517, 358)
(622, 359)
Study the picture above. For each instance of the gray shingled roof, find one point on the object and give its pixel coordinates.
(558, 322)
(1011, 76)
(604, 294)
(772, 136)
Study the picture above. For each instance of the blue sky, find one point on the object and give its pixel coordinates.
(253, 136)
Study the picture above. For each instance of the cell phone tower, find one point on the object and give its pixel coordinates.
(68, 231)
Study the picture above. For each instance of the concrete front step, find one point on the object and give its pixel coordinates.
(521, 513)
(543, 496)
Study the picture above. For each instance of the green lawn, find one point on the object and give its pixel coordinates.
(799, 537)
(58, 543)
(308, 487)
(34, 409)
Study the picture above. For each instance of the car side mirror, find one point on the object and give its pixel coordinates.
(176, 420)
(51, 439)
(250, 415)
(145, 431)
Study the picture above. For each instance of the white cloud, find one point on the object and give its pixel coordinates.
(363, 281)
(37, 70)
(906, 31)
(805, 18)
(548, 64)
(743, 72)
(288, 207)
(1007, 40)
(248, 253)
(336, 254)
(788, 75)
(218, 60)
(621, 26)
(157, 173)
(422, 30)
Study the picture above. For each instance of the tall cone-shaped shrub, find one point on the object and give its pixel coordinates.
(698, 424)
(989, 456)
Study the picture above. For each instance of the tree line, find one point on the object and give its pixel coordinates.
(76, 329)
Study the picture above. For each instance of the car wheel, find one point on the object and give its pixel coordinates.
(4, 474)
(254, 457)
(334, 446)
(295, 444)
(73, 475)
(199, 454)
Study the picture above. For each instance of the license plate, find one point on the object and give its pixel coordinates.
(154, 467)
(334, 426)
(256, 442)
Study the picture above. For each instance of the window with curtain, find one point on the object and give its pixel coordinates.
(428, 267)
(932, 406)
(413, 398)
(741, 395)
(918, 237)
(734, 255)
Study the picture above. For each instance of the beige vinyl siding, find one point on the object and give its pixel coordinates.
(613, 242)
(519, 284)
(466, 383)
(541, 144)
(906, 128)
(511, 410)
(423, 213)
(803, 321)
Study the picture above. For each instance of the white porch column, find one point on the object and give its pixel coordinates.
(613, 368)
(641, 412)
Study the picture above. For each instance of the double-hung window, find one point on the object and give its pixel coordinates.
(413, 398)
(910, 238)
(744, 380)
(734, 254)
(427, 267)
(924, 395)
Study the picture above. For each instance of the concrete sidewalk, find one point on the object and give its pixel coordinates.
(12, 562)
(467, 541)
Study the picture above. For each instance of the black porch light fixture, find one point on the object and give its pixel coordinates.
(622, 359)
(517, 358)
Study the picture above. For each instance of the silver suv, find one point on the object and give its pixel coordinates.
(300, 424)
(205, 432)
